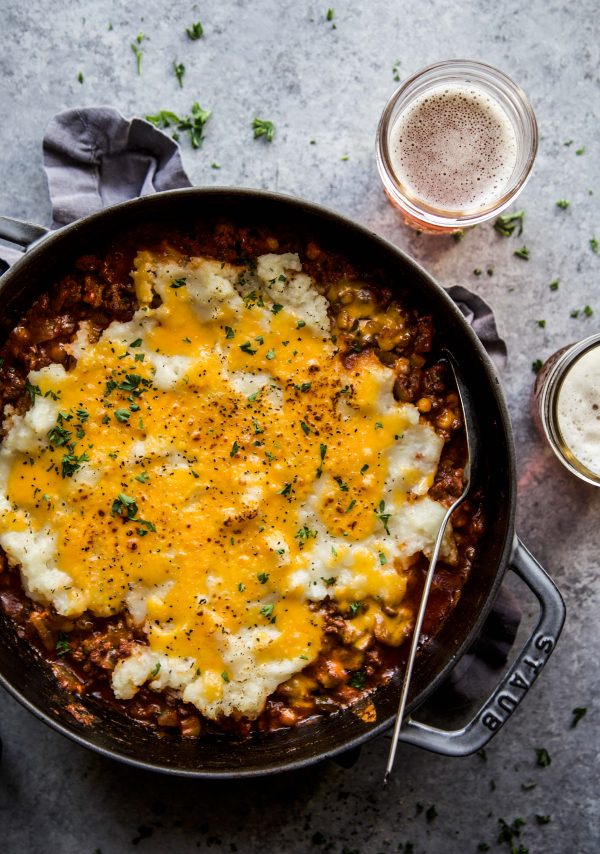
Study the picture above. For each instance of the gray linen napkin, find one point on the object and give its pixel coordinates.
(94, 157)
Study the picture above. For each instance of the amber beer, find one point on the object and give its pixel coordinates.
(455, 146)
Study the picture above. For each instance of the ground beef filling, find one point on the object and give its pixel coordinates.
(364, 314)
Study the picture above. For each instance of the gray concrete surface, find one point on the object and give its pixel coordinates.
(284, 61)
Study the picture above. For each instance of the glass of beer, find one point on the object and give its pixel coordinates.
(455, 145)
(566, 407)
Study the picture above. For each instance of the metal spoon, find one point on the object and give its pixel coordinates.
(469, 470)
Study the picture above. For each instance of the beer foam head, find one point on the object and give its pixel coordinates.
(454, 148)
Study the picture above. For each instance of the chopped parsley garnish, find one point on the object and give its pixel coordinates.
(229, 333)
(178, 283)
(287, 488)
(72, 463)
(364, 468)
(342, 485)
(263, 127)
(267, 610)
(179, 69)
(594, 245)
(322, 452)
(300, 324)
(58, 436)
(507, 223)
(350, 506)
(541, 324)
(276, 308)
(195, 32)
(263, 577)
(80, 77)
(136, 343)
(33, 391)
(303, 387)
(252, 397)
(328, 582)
(542, 757)
(62, 645)
(563, 204)
(247, 348)
(523, 253)
(357, 680)
(156, 669)
(122, 415)
(143, 477)
(192, 123)
(241, 587)
(580, 151)
(396, 71)
(271, 354)
(329, 15)
(303, 535)
(225, 676)
(123, 505)
(588, 310)
(383, 517)
(543, 819)
(305, 427)
(536, 365)
(355, 608)
(578, 713)
(382, 559)
(234, 449)
(554, 285)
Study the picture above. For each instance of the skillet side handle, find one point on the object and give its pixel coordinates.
(515, 683)
(20, 232)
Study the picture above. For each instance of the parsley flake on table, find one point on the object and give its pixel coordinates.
(135, 47)
(193, 123)
(578, 713)
(536, 366)
(263, 127)
(554, 285)
(80, 77)
(594, 245)
(563, 204)
(523, 253)
(507, 223)
(543, 758)
(195, 31)
(179, 69)
(541, 324)
(396, 71)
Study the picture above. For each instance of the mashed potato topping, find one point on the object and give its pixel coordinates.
(213, 467)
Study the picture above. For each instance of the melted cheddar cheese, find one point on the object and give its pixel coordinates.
(214, 468)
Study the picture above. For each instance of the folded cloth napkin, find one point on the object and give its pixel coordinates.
(94, 157)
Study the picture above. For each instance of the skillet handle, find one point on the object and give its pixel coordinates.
(516, 681)
(20, 232)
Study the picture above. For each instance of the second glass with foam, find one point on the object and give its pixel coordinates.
(455, 145)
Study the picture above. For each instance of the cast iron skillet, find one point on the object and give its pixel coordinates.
(27, 677)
